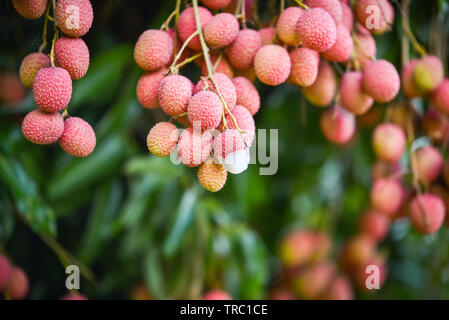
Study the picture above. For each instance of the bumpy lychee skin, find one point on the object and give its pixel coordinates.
(5, 272)
(42, 128)
(78, 138)
(245, 121)
(221, 30)
(387, 195)
(272, 64)
(217, 295)
(247, 94)
(337, 125)
(305, 63)
(148, 88)
(64, 12)
(428, 73)
(225, 86)
(268, 36)
(222, 67)
(322, 91)
(162, 139)
(18, 285)
(194, 146)
(347, 17)
(375, 224)
(153, 50)
(52, 89)
(407, 80)
(381, 81)
(317, 30)
(174, 94)
(227, 142)
(242, 51)
(351, 95)
(72, 55)
(440, 97)
(388, 142)
(429, 163)
(205, 108)
(427, 213)
(342, 49)
(30, 9)
(212, 176)
(365, 9)
(365, 48)
(286, 26)
(187, 25)
(331, 6)
(216, 4)
(31, 64)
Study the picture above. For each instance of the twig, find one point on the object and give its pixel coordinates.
(301, 4)
(172, 68)
(44, 32)
(242, 13)
(166, 23)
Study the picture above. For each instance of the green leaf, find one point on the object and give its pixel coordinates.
(154, 277)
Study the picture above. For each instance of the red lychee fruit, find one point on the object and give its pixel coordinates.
(352, 97)
(297, 248)
(347, 17)
(42, 128)
(375, 224)
(74, 17)
(365, 48)
(242, 51)
(231, 151)
(331, 6)
(388, 142)
(375, 15)
(221, 30)
(11, 89)
(148, 88)
(428, 73)
(272, 64)
(337, 125)
(305, 63)
(18, 285)
(31, 64)
(408, 81)
(436, 125)
(268, 35)
(247, 94)
(245, 121)
(212, 176)
(187, 25)
(362, 274)
(194, 147)
(52, 89)
(74, 296)
(174, 94)
(340, 289)
(72, 55)
(317, 30)
(429, 163)
(162, 139)
(153, 50)
(206, 109)
(381, 81)
(427, 213)
(322, 91)
(78, 138)
(216, 4)
(5, 272)
(30, 9)
(225, 86)
(286, 26)
(217, 295)
(387, 195)
(313, 281)
(440, 97)
(341, 51)
(223, 66)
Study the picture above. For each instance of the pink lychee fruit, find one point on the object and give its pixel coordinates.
(148, 87)
(429, 163)
(363, 274)
(352, 97)
(242, 51)
(162, 139)
(272, 65)
(221, 30)
(245, 121)
(42, 128)
(331, 6)
(31, 64)
(440, 97)
(223, 66)
(314, 280)
(231, 151)
(225, 87)
(78, 138)
(206, 109)
(216, 4)
(153, 50)
(268, 35)
(408, 81)
(5, 272)
(365, 48)
(374, 15)
(337, 125)
(305, 63)
(347, 17)
(297, 248)
(65, 12)
(375, 224)
(427, 213)
(212, 176)
(247, 94)
(286, 26)
(317, 30)
(30, 9)
(340, 289)
(388, 142)
(428, 73)
(436, 125)
(52, 89)
(194, 146)
(74, 296)
(187, 25)
(341, 51)
(381, 81)
(387, 195)
(217, 295)
(174, 94)
(322, 91)
(18, 285)
(72, 55)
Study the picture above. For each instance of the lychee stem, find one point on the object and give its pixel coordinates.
(166, 24)
(172, 68)
(44, 32)
(175, 28)
(242, 13)
(220, 56)
(301, 4)
(282, 7)
(188, 60)
(55, 37)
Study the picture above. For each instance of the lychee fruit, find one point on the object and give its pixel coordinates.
(374, 15)
(436, 125)
(11, 89)
(341, 51)
(297, 248)
(387, 195)
(30, 9)
(407, 80)
(153, 50)
(331, 6)
(362, 273)
(268, 35)
(221, 30)
(212, 176)
(428, 73)
(382, 169)
(230, 151)
(225, 86)
(42, 128)
(187, 25)
(249, 74)
(247, 94)
(245, 121)
(217, 295)
(52, 89)
(323, 246)
(206, 109)
(78, 138)
(72, 55)
(194, 146)
(375, 224)
(322, 91)
(272, 64)
(340, 289)
(216, 4)
(317, 30)
(305, 63)
(365, 48)
(347, 17)
(18, 285)
(223, 66)
(440, 97)
(357, 252)
(337, 125)
(65, 12)
(148, 88)
(314, 280)
(174, 94)
(162, 139)
(31, 64)
(381, 81)
(242, 51)
(352, 97)
(286, 26)
(429, 163)
(388, 142)
(427, 213)
(5, 272)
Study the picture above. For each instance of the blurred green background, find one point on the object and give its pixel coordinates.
(129, 217)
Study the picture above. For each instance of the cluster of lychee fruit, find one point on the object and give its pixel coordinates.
(50, 76)
(13, 280)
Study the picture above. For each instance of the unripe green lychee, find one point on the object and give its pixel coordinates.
(31, 64)
(221, 30)
(333, 7)
(18, 285)
(337, 125)
(387, 195)
(317, 30)
(148, 87)
(206, 109)
(153, 50)
(427, 213)
(242, 51)
(212, 176)
(381, 81)
(194, 146)
(341, 51)
(440, 97)
(388, 142)
(286, 26)
(272, 64)
(374, 15)
(52, 89)
(5, 272)
(30, 9)
(72, 55)
(305, 63)
(225, 86)
(217, 295)
(429, 163)
(162, 139)
(174, 94)
(322, 91)
(78, 138)
(428, 73)
(74, 17)
(247, 94)
(187, 25)
(42, 128)
(375, 224)
(352, 97)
